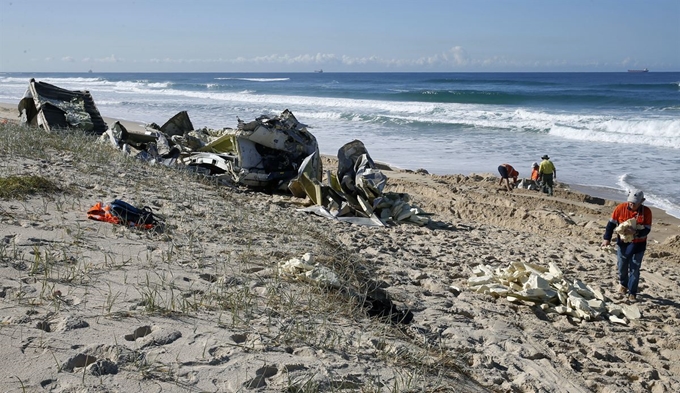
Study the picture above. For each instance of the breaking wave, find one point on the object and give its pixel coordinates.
(590, 127)
(257, 79)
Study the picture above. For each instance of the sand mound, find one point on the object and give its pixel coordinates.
(204, 305)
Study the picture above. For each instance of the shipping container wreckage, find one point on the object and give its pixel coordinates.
(270, 152)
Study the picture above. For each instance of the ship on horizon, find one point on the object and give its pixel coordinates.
(319, 71)
(642, 70)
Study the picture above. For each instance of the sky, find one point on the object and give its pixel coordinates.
(339, 35)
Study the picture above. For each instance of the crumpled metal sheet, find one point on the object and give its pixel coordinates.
(52, 108)
(267, 152)
(306, 182)
(355, 193)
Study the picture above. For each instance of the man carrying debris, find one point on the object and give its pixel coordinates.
(632, 222)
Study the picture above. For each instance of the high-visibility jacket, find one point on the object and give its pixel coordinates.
(546, 167)
(534, 174)
(104, 212)
(643, 216)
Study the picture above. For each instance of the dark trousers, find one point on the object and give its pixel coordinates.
(547, 180)
(629, 270)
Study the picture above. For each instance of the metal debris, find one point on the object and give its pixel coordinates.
(52, 108)
(266, 152)
(277, 153)
(355, 193)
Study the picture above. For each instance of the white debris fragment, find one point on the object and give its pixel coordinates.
(305, 268)
(615, 319)
(296, 266)
(481, 280)
(626, 230)
(534, 284)
(323, 275)
(631, 311)
(597, 304)
(536, 281)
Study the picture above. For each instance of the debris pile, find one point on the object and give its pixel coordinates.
(276, 153)
(266, 152)
(536, 285)
(355, 193)
(375, 300)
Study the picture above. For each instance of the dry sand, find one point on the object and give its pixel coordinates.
(201, 306)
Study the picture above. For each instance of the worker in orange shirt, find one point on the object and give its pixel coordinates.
(536, 175)
(534, 172)
(629, 255)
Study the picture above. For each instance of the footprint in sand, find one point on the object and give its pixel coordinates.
(139, 332)
(261, 375)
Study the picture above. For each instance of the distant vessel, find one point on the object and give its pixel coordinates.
(318, 71)
(642, 70)
(89, 71)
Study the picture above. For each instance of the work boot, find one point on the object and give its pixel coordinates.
(622, 289)
(631, 298)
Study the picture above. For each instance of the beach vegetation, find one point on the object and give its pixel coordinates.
(20, 187)
(215, 262)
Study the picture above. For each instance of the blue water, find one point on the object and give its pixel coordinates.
(607, 132)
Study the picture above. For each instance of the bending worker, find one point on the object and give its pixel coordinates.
(506, 171)
(548, 174)
(629, 255)
(535, 177)
(534, 172)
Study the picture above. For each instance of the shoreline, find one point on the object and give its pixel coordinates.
(10, 112)
(606, 193)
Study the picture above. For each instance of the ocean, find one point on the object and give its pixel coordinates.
(605, 132)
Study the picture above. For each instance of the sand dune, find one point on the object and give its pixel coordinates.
(202, 306)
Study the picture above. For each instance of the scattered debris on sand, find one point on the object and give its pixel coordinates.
(273, 153)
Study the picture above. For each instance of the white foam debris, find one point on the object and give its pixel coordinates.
(536, 281)
(547, 287)
(323, 275)
(631, 311)
(615, 319)
(626, 230)
(304, 268)
(296, 266)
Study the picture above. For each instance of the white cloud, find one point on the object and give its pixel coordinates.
(460, 56)
(455, 57)
(108, 59)
(68, 59)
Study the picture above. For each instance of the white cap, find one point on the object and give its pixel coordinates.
(636, 196)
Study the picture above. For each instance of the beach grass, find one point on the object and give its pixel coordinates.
(18, 187)
(215, 264)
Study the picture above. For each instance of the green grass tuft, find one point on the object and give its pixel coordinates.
(20, 187)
